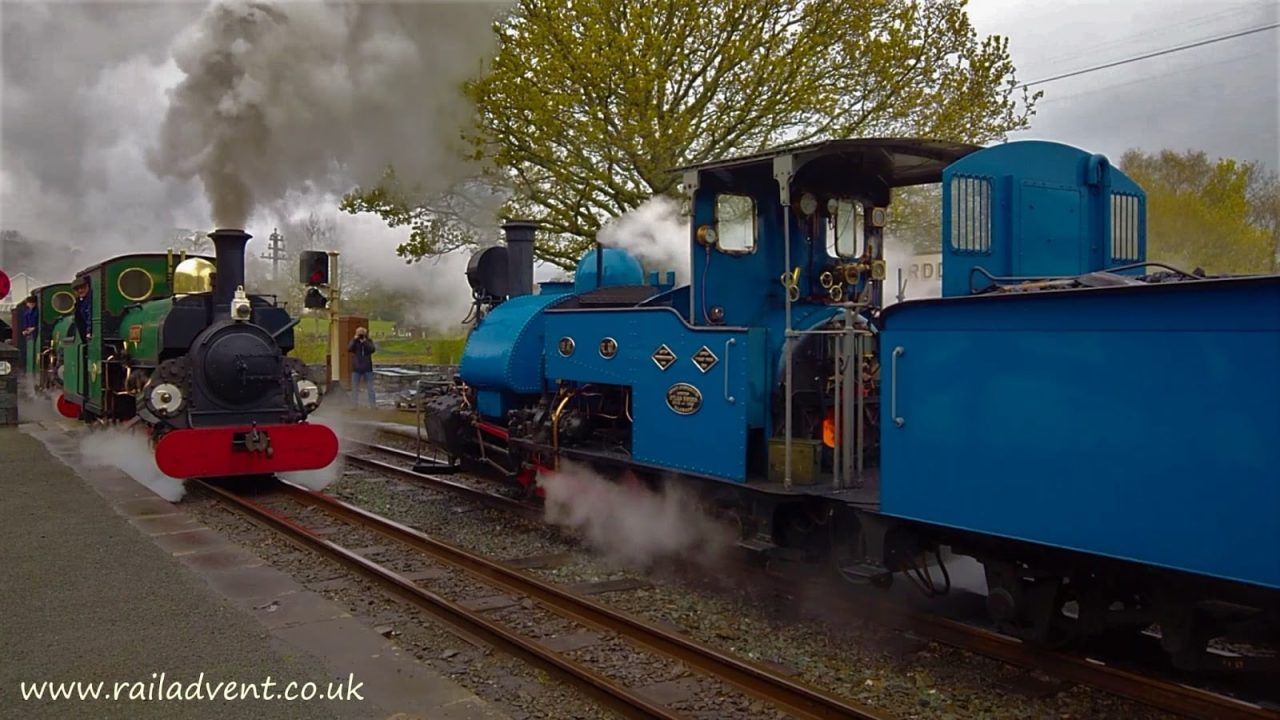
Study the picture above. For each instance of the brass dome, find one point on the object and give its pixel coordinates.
(193, 275)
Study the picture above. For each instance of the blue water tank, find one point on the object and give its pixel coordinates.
(620, 268)
(503, 355)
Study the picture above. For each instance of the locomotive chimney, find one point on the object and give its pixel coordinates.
(519, 235)
(229, 245)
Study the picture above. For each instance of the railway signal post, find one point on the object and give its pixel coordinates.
(319, 269)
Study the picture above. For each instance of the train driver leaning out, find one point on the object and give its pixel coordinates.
(84, 307)
(29, 319)
(30, 316)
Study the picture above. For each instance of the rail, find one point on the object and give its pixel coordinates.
(492, 499)
(1154, 692)
(795, 698)
(1170, 696)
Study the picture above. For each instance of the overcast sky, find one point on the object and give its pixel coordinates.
(1220, 98)
(83, 98)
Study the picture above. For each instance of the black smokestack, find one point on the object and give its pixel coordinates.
(520, 255)
(229, 246)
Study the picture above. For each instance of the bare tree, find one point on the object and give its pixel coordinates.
(317, 230)
(194, 242)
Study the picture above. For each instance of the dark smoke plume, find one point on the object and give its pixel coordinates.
(321, 95)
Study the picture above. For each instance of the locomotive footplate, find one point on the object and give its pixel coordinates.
(866, 497)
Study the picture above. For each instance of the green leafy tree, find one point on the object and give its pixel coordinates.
(915, 218)
(1264, 204)
(589, 104)
(1218, 215)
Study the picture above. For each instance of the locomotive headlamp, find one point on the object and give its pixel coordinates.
(165, 399)
(240, 308)
(5, 367)
(707, 235)
(309, 394)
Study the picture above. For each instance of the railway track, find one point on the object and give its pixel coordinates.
(432, 480)
(1170, 696)
(1183, 700)
(753, 680)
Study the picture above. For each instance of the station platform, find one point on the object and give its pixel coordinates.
(102, 581)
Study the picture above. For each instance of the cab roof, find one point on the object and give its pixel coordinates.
(140, 255)
(897, 161)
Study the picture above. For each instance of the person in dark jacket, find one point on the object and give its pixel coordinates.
(30, 316)
(28, 321)
(362, 350)
(84, 308)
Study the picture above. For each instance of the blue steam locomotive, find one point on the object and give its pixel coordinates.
(1101, 432)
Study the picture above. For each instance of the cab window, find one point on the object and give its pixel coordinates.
(736, 223)
(844, 225)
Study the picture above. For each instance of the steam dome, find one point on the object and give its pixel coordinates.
(620, 268)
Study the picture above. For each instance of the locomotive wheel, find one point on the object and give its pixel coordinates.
(1050, 626)
(845, 542)
(733, 514)
(1031, 610)
(1104, 613)
(1184, 634)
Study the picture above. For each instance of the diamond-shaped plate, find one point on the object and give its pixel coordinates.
(705, 359)
(663, 356)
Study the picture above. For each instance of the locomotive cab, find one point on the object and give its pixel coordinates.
(793, 243)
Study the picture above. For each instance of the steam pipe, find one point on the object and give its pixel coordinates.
(599, 265)
(228, 244)
(519, 237)
(786, 346)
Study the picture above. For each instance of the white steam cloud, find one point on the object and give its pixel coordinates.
(920, 272)
(332, 415)
(657, 233)
(628, 522)
(37, 406)
(81, 95)
(434, 291)
(437, 285)
(277, 95)
(129, 451)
